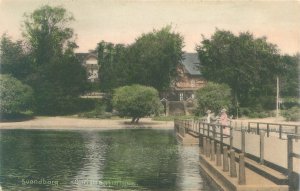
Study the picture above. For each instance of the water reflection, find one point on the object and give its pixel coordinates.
(138, 159)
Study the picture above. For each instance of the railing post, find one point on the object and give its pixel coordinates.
(208, 147)
(203, 150)
(243, 141)
(257, 129)
(231, 137)
(212, 150)
(242, 172)
(268, 130)
(280, 131)
(248, 127)
(262, 147)
(221, 137)
(218, 155)
(290, 158)
(232, 164)
(200, 138)
(225, 159)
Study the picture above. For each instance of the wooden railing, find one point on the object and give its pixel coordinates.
(211, 138)
(281, 129)
(290, 156)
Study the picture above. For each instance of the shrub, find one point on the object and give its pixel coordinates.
(213, 97)
(292, 114)
(136, 101)
(15, 97)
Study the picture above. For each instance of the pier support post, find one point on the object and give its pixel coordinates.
(203, 146)
(207, 147)
(242, 172)
(218, 162)
(232, 164)
(262, 147)
(243, 142)
(212, 150)
(225, 159)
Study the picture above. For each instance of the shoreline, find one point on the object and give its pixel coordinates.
(67, 123)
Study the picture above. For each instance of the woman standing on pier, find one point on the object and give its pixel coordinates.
(224, 121)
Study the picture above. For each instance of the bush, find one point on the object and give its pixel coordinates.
(254, 112)
(136, 101)
(292, 114)
(213, 97)
(15, 97)
(99, 111)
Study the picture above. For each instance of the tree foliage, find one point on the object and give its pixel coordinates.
(247, 64)
(289, 81)
(113, 61)
(14, 95)
(136, 101)
(213, 97)
(13, 58)
(151, 60)
(56, 76)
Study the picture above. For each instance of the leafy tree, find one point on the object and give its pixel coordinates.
(136, 101)
(56, 76)
(151, 60)
(154, 57)
(13, 58)
(48, 34)
(14, 95)
(213, 97)
(289, 81)
(248, 65)
(113, 71)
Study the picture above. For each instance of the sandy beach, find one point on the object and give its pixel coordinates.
(78, 123)
(81, 123)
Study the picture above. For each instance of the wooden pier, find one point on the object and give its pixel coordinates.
(232, 160)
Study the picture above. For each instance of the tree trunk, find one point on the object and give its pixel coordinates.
(133, 119)
(137, 120)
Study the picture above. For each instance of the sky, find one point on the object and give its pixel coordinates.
(122, 21)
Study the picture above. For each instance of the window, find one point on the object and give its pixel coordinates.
(180, 96)
(193, 83)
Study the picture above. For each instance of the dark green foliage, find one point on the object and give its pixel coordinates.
(154, 57)
(151, 60)
(213, 97)
(113, 71)
(136, 101)
(56, 76)
(15, 97)
(248, 65)
(99, 111)
(292, 114)
(13, 58)
(289, 80)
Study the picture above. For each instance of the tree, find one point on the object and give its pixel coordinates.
(154, 57)
(56, 76)
(14, 95)
(136, 101)
(248, 65)
(13, 58)
(113, 72)
(289, 81)
(213, 97)
(151, 60)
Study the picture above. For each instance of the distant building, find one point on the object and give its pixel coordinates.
(189, 77)
(188, 81)
(90, 62)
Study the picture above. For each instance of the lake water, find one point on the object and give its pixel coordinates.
(129, 159)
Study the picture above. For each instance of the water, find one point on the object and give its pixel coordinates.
(135, 159)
